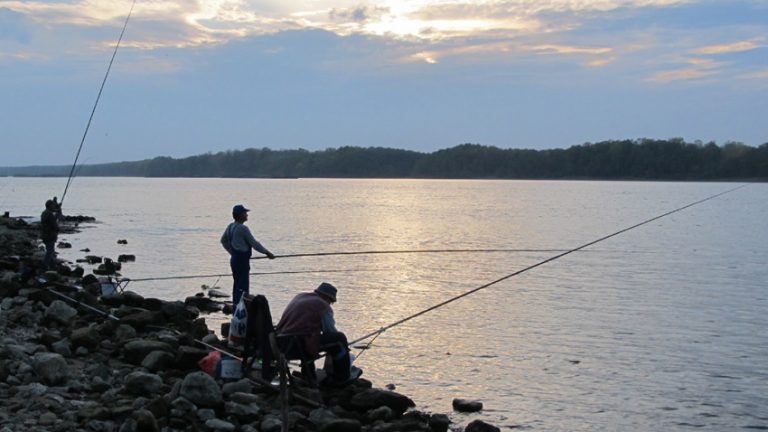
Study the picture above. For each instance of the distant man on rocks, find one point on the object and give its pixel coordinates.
(49, 232)
(238, 241)
(311, 313)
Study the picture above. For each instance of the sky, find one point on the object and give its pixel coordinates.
(192, 77)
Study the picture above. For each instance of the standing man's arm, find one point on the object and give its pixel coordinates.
(256, 245)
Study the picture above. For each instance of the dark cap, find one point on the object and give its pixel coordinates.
(239, 209)
(327, 290)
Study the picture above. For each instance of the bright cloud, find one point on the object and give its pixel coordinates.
(729, 48)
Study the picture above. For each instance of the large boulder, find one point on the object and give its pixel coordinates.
(373, 398)
(202, 390)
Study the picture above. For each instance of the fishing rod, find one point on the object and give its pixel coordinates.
(413, 251)
(540, 263)
(95, 104)
(251, 274)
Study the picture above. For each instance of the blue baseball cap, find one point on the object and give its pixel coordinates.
(239, 209)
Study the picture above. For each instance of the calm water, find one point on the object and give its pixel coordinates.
(661, 328)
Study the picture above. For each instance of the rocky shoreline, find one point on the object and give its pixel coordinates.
(71, 360)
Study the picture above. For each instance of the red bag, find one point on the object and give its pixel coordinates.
(210, 363)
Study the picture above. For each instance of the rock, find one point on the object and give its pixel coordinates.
(145, 421)
(481, 426)
(93, 259)
(381, 413)
(211, 339)
(439, 423)
(132, 299)
(152, 304)
(140, 320)
(374, 398)
(206, 414)
(203, 303)
(322, 416)
(47, 419)
(271, 423)
(86, 336)
(64, 245)
(99, 385)
(246, 398)
(126, 258)
(464, 405)
(214, 293)
(342, 425)
(241, 386)
(124, 333)
(219, 425)
(202, 390)
(62, 347)
(60, 312)
(100, 426)
(187, 357)
(142, 384)
(244, 413)
(158, 361)
(122, 241)
(51, 368)
(183, 406)
(136, 350)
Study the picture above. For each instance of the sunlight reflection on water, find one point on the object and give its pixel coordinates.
(662, 328)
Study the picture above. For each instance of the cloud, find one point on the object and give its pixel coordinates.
(729, 48)
(679, 75)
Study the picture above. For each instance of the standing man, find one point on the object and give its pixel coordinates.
(310, 313)
(238, 241)
(49, 232)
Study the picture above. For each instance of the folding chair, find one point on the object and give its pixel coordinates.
(275, 351)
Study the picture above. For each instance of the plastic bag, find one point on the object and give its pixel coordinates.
(239, 323)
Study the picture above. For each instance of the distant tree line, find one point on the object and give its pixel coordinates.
(643, 159)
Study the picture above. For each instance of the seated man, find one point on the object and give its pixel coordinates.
(311, 313)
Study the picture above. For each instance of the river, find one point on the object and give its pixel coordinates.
(663, 327)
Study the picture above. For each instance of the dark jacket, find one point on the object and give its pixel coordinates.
(49, 226)
(304, 314)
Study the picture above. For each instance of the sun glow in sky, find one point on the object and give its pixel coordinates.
(420, 74)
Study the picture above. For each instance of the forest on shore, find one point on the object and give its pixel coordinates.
(642, 159)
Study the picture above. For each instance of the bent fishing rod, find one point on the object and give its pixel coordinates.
(538, 264)
(96, 104)
(412, 251)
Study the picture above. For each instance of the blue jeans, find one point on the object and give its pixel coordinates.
(50, 253)
(240, 262)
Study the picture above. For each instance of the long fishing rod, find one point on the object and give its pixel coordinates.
(95, 104)
(413, 251)
(251, 274)
(540, 263)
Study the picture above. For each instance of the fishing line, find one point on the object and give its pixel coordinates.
(413, 251)
(540, 263)
(98, 97)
